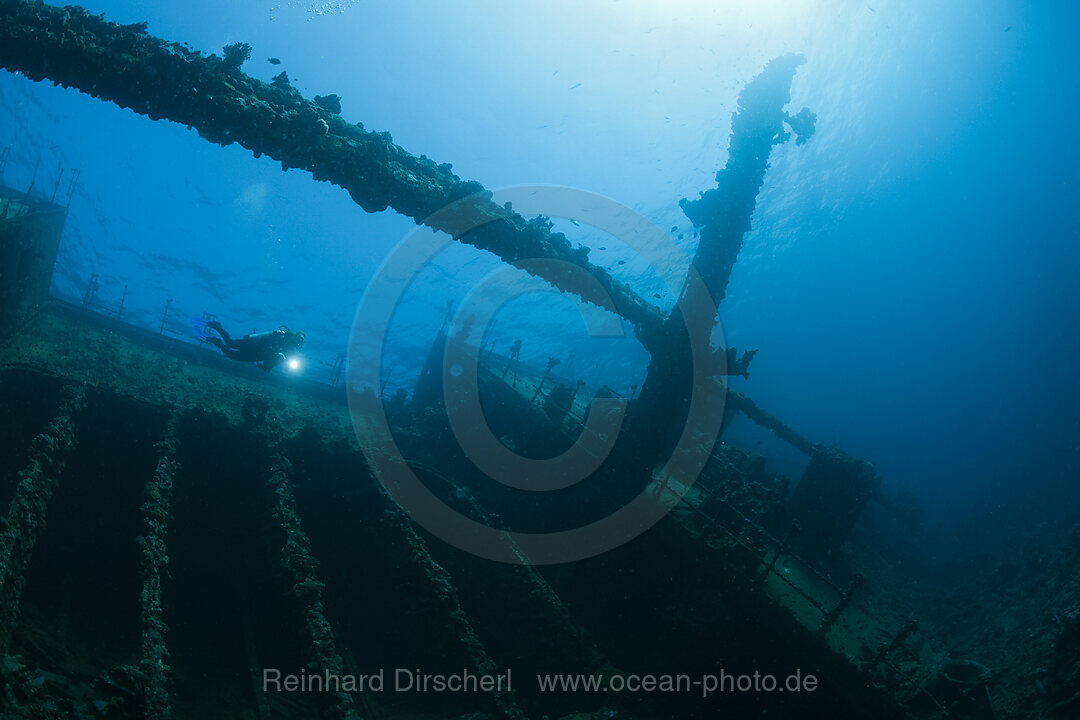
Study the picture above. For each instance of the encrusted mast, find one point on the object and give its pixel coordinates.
(723, 215)
(164, 80)
(125, 65)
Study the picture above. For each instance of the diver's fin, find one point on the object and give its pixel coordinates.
(198, 327)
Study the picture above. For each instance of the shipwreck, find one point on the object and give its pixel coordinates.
(176, 524)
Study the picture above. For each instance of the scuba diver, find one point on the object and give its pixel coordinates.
(265, 349)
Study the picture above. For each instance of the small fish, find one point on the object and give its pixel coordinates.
(622, 262)
(601, 248)
(574, 222)
(574, 87)
(870, 9)
(273, 61)
(554, 73)
(1008, 28)
(674, 228)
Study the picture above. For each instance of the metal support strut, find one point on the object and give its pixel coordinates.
(440, 584)
(300, 566)
(157, 515)
(25, 520)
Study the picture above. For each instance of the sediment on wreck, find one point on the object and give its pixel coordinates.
(25, 520)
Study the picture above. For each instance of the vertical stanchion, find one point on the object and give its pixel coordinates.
(56, 187)
(71, 187)
(845, 600)
(165, 316)
(91, 290)
(33, 178)
(123, 298)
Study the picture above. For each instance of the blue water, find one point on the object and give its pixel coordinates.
(910, 279)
